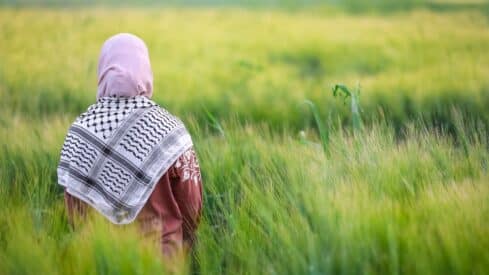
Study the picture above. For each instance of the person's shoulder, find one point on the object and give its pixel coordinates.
(86, 113)
(161, 108)
(166, 114)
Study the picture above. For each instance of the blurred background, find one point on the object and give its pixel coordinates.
(290, 187)
(257, 60)
(352, 5)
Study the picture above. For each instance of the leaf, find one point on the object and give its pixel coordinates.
(354, 103)
(342, 88)
(214, 122)
(323, 131)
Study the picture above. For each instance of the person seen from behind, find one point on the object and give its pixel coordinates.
(130, 159)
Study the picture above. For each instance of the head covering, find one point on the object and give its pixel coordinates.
(115, 152)
(124, 68)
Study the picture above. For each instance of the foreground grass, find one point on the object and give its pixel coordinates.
(272, 205)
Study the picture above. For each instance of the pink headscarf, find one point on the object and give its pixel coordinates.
(124, 68)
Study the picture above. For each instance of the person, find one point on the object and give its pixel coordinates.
(129, 158)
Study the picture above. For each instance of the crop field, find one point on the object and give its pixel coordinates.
(291, 184)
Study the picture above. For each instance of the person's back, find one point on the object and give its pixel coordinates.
(129, 158)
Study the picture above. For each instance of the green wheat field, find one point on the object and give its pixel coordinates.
(292, 185)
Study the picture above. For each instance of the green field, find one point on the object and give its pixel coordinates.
(406, 194)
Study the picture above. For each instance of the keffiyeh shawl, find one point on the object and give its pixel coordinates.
(115, 153)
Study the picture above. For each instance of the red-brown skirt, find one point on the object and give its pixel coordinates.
(172, 211)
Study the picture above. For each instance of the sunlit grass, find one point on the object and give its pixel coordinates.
(257, 65)
(274, 205)
(404, 194)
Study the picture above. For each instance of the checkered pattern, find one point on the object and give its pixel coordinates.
(116, 151)
(105, 116)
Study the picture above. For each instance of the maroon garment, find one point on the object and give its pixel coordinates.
(172, 211)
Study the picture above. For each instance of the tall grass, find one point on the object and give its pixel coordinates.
(407, 194)
(272, 205)
(415, 65)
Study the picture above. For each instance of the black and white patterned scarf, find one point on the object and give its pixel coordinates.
(115, 153)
